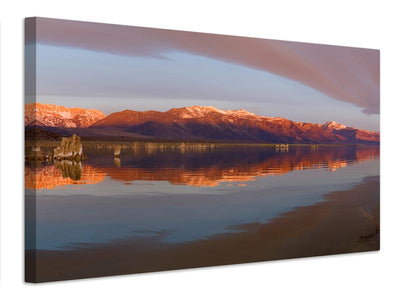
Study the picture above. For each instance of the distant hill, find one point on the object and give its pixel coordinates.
(37, 133)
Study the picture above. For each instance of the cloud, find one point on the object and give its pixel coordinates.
(344, 73)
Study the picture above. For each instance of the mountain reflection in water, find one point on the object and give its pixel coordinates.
(195, 168)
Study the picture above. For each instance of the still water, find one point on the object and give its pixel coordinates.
(181, 196)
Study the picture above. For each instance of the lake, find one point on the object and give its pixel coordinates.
(178, 196)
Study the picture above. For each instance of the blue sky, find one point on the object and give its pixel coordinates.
(76, 77)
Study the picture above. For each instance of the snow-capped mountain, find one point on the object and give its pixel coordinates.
(332, 125)
(351, 133)
(51, 115)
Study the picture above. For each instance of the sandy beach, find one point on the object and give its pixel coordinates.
(329, 227)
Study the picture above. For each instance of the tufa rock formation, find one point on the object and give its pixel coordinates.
(117, 151)
(70, 149)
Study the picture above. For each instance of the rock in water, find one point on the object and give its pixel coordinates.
(70, 149)
(117, 151)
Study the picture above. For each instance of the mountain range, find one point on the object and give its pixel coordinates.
(195, 123)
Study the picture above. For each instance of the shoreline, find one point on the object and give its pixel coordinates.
(90, 141)
(333, 226)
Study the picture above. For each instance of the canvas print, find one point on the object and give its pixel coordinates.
(151, 150)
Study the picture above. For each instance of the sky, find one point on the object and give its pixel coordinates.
(113, 68)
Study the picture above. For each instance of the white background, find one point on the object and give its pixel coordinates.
(371, 24)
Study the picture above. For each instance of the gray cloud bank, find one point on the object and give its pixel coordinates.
(344, 73)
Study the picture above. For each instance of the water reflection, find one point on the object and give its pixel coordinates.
(208, 167)
(117, 162)
(70, 169)
(61, 174)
